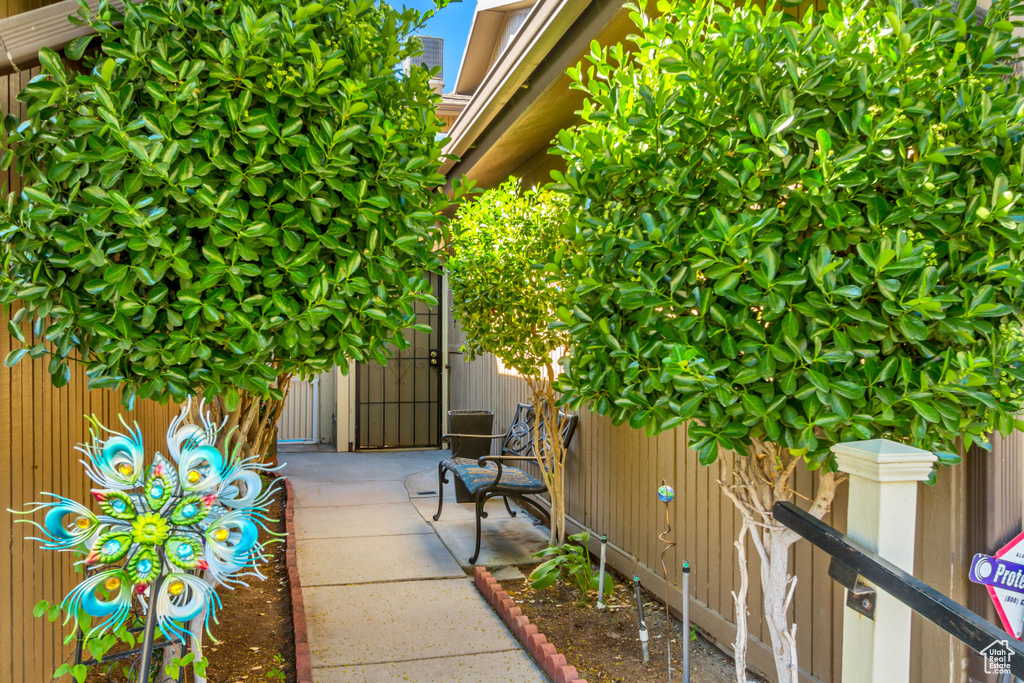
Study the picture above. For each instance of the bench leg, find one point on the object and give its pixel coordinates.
(479, 514)
(441, 481)
(511, 512)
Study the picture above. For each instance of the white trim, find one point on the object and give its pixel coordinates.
(882, 516)
(346, 408)
(884, 461)
(445, 321)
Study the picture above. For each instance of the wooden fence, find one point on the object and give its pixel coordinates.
(39, 428)
(612, 475)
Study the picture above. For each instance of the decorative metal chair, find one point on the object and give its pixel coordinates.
(489, 477)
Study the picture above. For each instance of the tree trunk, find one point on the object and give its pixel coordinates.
(249, 428)
(755, 483)
(196, 628)
(158, 672)
(778, 596)
(549, 449)
(740, 601)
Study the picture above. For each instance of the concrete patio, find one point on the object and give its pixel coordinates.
(386, 596)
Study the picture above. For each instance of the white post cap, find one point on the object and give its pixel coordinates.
(884, 460)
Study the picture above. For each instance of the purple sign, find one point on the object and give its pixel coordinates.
(991, 571)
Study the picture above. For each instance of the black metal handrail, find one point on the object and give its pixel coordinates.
(948, 615)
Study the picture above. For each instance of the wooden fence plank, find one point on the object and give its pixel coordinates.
(651, 518)
(603, 472)
(702, 525)
(39, 427)
(22, 556)
(47, 472)
(755, 596)
(20, 460)
(821, 620)
(7, 484)
(628, 486)
(722, 544)
(802, 603)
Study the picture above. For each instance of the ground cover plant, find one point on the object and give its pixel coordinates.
(503, 302)
(571, 563)
(221, 197)
(795, 232)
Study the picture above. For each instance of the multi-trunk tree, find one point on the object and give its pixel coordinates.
(222, 198)
(792, 233)
(504, 298)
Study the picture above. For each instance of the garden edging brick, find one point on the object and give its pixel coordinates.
(536, 643)
(303, 668)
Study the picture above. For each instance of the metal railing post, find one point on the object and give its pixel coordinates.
(882, 516)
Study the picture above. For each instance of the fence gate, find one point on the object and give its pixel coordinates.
(398, 405)
(300, 419)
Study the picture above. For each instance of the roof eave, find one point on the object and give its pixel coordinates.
(547, 23)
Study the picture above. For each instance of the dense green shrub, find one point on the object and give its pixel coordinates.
(504, 299)
(228, 194)
(501, 299)
(801, 232)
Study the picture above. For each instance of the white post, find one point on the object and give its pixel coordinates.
(882, 516)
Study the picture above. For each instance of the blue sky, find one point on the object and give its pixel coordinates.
(451, 24)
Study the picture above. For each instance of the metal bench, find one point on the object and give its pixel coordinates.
(489, 477)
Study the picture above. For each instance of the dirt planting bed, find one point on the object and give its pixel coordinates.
(604, 645)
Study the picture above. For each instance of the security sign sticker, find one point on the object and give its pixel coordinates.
(1003, 578)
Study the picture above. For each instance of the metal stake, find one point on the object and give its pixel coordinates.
(600, 576)
(640, 616)
(665, 495)
(146, 657)
(686, 622)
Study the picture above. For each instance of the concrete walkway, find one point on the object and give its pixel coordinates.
(385, 597)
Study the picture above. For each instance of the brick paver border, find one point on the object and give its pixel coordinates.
(535, 642)
(303, 669)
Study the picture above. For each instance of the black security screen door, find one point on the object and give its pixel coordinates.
(398, 405)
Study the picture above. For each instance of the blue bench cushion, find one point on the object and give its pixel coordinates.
(476, 477)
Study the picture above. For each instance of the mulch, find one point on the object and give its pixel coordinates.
(255, 635)
(604, 645)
